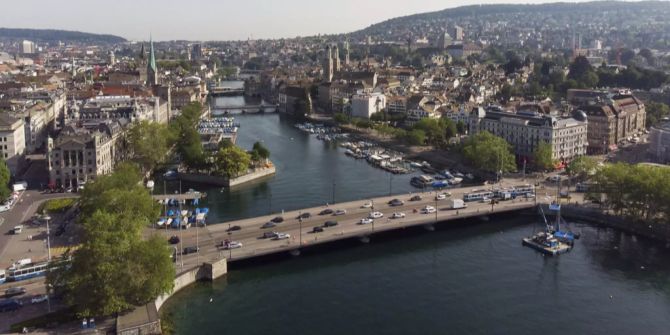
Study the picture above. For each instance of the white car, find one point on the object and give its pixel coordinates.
(442, 196)
(367, 205)
(366, 221)
(282, 236)
(340, 212)
(233, 245)
(428, 210)
(39, 299)
(376, 215)
(530, 195)
(398, 215)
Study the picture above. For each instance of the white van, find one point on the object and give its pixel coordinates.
(18, 229)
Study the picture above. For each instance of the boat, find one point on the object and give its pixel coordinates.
(545, 241)
(415, 165)
(565, 236)
(170, 175)
(440, 184)
(421, 181)
(455, 181)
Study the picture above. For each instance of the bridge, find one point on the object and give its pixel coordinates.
(348, 227)
(261, 108)
(226, 91)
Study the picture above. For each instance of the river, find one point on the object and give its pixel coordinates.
(472, 278)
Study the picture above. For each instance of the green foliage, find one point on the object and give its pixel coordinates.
(640, 192)
(461, 128)
(259, 153)
(416, 137)
(656, 112)
(149, 143)
(490, 153)
(56, 205)
(341, 118)
(582, 166)
(437, 131)
(188, 142)
(542, 157)
(5, 177)
(115, 269)
(231, 162)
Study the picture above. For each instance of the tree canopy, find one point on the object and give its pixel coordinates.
(5, 177)
(115, 268)
(231, 161)
(149, 143)
(489, 153)
(542, 157)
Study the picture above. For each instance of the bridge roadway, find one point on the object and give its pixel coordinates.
(348, 225)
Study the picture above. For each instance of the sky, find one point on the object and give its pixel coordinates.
(216, 19)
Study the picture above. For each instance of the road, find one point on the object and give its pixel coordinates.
(348, 225)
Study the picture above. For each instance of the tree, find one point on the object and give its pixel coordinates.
(460, 127)
(416, 137)
(115, 269)
(656, 111)
(542, 157)
(149, 144)
(582, 166)
(489, 153)
(341, 118)
(5, 177)
(433, 129)
(450, 129)
(231, 161)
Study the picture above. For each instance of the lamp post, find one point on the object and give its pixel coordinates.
(47, 219)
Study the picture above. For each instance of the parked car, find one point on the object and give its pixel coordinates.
(340, 212)
(330, 224)
(415, 198)
(14, 291)
(39, 299)
(376, 215)
(234, 228)
(278, 219)
(10, 305)
(305, 215)
(317, 229)
(396, 202)
(174, 239)
(326, 211)
(268, 224)
(190, 250)
(366, 221)
(442, 196)
(398, 215)
(367, 205)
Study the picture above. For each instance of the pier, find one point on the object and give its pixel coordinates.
(210, 238)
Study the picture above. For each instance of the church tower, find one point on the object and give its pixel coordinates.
(152, 73)
(328, 65)
(346, 53)
(337, 59)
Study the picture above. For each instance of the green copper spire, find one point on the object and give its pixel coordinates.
(151, 66)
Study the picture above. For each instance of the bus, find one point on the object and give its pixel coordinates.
(21, 272)
(522, 190)
(477, 195)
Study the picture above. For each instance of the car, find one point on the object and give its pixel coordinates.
(340, 212)
(190, 250)
(269, 234)
(9, 305)
(415, 198)
(554, 179)
(278, 219)
(428, 210)
(305, 215)
(14, 291)
(330, 224)
(367, 205)
(326, 211)
(398, 215)
(366, 221)
(281, 236)
(442, 196)
(174, 239)
(268, 224)
(234, 228)
(530, 195)
(376, 215)
(228, 245)
(39, 299)
(317, 229)
(396, 202)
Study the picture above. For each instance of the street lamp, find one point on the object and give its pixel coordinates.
(47, 218)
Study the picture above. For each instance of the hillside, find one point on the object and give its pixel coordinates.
(53, 35)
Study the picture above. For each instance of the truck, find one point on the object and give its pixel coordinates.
(456, 204)
(20, 186)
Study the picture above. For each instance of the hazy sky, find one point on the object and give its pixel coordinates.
(215, 19)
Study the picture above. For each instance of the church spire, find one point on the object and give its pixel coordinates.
(152, 77)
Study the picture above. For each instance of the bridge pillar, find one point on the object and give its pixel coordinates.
(429, 227)
(364, 239)
(295, 252)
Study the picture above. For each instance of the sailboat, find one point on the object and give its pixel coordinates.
(545, 241)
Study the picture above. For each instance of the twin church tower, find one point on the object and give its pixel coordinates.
(331, 62)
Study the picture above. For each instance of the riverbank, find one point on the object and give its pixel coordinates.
(254, 175)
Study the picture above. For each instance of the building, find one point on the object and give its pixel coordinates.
(423, 107)
(457, 33)
(363, 105)
(526, 130)
(613, 118)
(294, 100)
(328, 70)
(28, 47)
(12, 141)
(152, 70)
(396, 105)
(117, 107)
(81, 153)
(659, 142)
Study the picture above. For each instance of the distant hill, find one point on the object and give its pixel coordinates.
(519, 12)
(53, 35)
